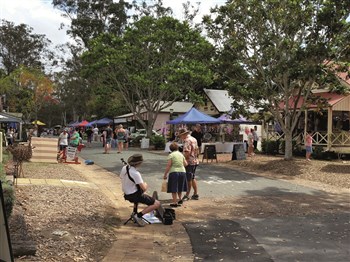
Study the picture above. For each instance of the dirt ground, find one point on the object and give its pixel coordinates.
(76, 224)
(65, 224)
(330, 176)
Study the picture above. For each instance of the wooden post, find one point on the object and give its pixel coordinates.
(1, 135)
(305, 126)
(329, 128)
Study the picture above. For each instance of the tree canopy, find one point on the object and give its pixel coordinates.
(89, 19)
(157, 61)
(19, 46)
(269, 52)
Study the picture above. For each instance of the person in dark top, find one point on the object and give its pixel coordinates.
(197, 134)
(89, 136)
(108, 133)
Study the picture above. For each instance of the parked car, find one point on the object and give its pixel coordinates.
(141, 133)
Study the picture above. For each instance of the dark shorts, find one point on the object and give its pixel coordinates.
(62, 147)
(190, 172)
(140, 198)
(177, 182)
(108, 140)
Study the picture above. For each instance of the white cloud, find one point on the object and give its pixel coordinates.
(38, 14)
(44, 19)
(204, 7)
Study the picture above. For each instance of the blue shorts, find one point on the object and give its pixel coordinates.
(308, 149)
(190, 172)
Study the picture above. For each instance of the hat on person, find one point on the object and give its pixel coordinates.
(135, 159)
(183, 132)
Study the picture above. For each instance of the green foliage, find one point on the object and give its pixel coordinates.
(319, 153)
(269, 147)
(269, 52)
(9, 198)
(7, 189)
(94, 17)
(156, 60)
(158, 142)
(20, 47)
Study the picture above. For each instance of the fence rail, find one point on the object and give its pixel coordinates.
(339, 139)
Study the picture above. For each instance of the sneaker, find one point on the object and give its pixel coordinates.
(139, 221)
(195, 197)
(185, 198)
(180, 202)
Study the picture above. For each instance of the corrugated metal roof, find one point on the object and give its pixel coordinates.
(220, 99)
(177, 107)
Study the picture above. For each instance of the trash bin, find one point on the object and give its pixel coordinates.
(144, 143)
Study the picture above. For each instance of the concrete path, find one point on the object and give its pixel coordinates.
(320, 236)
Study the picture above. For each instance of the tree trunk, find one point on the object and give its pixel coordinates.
(288, 154)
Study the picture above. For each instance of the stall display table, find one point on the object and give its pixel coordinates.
(220, 147)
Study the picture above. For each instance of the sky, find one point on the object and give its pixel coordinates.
(44, 19)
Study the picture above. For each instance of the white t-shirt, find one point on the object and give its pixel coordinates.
(95, 130)
(128, 186)
(63, 137)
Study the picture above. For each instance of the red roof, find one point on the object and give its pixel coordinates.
(332, 99)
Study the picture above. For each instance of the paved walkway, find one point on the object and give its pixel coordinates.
(155, 242)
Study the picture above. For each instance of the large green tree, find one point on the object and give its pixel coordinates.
(156, 62)
(272, 53)
(27, 90)
(19, 46)
(90, 18)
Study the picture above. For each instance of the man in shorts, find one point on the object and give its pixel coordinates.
(134, 187)
(191, 152)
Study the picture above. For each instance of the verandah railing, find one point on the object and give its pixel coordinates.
(318, 138)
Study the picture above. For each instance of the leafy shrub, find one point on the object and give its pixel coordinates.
(269, 147)
(158, 142)
(7, 189)
(9, 198)
(318, 153)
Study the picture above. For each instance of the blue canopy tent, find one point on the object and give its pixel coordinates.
(103, 122)
(226, 118)
(73, 123)
(91, 124)
(193, 116)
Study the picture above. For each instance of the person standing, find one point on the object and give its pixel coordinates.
(308, 146)
(121, 137)
(108, 133)
(190, 151)
(177, 182)
(126, 137)
(134, 188)
(255, 137)
(63, 143)
(89, 133)
(10, 136)
(251, 142)
(198, 135)
(75, 138)
(95, 133)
